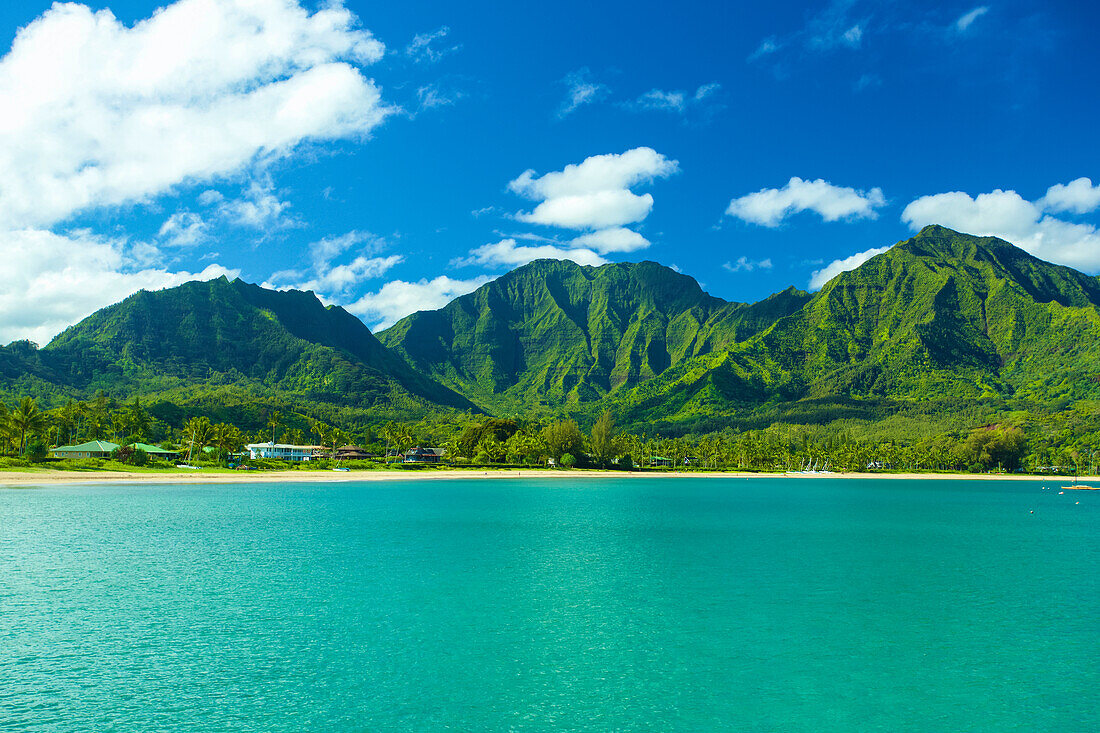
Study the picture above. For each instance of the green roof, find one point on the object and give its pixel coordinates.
(153, 449)
(93, 446)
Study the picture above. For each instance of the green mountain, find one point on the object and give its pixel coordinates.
(940, 317)
(941, 323)
(280, 345)
(560, 336)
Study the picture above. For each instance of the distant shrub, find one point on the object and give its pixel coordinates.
(568, 460)
(130, 455)
(36, 451)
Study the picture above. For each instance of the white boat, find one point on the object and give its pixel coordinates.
(184, 465)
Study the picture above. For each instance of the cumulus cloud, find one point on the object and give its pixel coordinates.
(593, 197)
(69, 277)
(331, 279)
(1027, 224)
(966, 19)
(593, 210)
(183, 229)
(744, 264)
(594, 194)
(580, 89)
(259, 209)
(399, 298)
(507, 253)
(618, 239)
(99, 114)
(818, 278)
(770, 206)
(1075, 197)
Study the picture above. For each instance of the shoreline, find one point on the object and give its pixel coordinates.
(17, 479)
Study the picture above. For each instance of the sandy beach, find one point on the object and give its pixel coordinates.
(47, 477)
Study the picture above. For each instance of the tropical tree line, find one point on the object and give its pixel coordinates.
(1063, 442)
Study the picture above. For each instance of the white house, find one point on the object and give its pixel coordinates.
(282, 451)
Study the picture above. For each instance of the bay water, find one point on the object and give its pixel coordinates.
(769, 604)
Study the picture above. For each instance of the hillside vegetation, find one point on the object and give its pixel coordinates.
(941, 335)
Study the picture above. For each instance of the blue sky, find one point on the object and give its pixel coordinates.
(393, 155)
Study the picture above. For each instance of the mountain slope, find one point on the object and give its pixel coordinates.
(940, 316)
(560, 335)
(221, 332)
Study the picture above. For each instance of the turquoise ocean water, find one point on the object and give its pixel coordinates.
(594, 604)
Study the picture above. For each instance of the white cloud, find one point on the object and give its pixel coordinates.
(594, 194)
(744, 264)
(398, 298)
(766, 48)
(674, 101)
(770, 206)
(507, 253)
(611, 240)
(432, 96)
(969, 17)
(338, 280)
(100, 114)
(97, 113)
(325, 250)
(332, 281)
(1008, 215)
(183, 229)
(68, 277)
(597, 173)
(594, 210)
(662, 100)
(1077, 197)
(818, 278)
(867, 81)
(580, 90)
(423, 47)
(834, 27)
(593, 197)
(210, 196)
(259, 208)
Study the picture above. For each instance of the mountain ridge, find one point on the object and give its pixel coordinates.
(939, 318)
(573, 333)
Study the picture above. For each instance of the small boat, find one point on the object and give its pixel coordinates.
(184, 465)
(338, 468)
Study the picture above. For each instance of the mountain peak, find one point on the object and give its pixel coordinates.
(936, 240)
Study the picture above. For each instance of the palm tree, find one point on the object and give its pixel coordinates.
(226, 439)
(66, 421)
(319, 429)
(196, 431)
(273, 422)
(26, 420)
(135, 419)
(6, 437)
